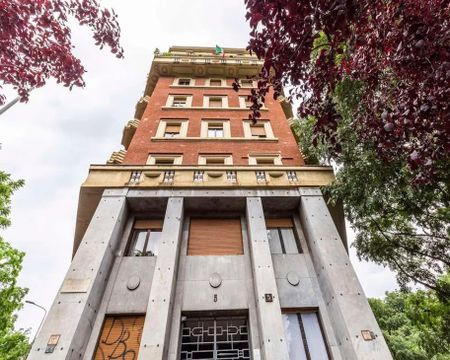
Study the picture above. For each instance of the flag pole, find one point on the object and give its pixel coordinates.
(9, 105)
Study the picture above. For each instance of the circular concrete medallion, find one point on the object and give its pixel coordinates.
(292, 278)
(133, 282)
(215, 280)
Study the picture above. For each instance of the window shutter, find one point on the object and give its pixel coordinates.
(282, 223)
(148, 224)
(215, 237)
(173, 128)
(215, 102)
(119, 332)
(258, 130)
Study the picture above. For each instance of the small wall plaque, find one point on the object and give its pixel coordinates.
(75, 285)
(368, 335)
(268, 297)
(51, 343)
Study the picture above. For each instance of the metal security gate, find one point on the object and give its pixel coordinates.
(215, 338)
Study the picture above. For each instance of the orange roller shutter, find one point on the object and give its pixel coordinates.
(120, 337)
(215, 237)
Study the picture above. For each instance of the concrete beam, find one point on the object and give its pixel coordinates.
(271, 329)
(76, 305)
(347, 305)
(155, 335)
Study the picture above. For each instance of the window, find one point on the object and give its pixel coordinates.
(120, 332)
(215, 338)
(179, 101)
(184, 82)
(258, 131)
(245, 102)
(163, 159)
(215, 237)
(282, 237)
(145, 238)
(172, 130)
(215, 82)
(215, 102)
(247, 83)
(215, 130)
(304, 336)
(215, 159)
(264, 160)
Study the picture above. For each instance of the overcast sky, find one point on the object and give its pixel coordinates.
(50, 141)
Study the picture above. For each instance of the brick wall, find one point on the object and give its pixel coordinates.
(142, 145)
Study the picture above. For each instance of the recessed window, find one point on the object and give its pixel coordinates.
(184, 82)
(215, 130)
(215, 82)
(282, 237)
(215, 160)
(172, 130)
(247, 83)
(179, 101)
(304, 336)
(163, 159)
(146, 238)
(215, 102)
(203, 239)
(258, 131)
(264, 160)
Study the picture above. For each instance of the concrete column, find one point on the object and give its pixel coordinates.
(75, 308)
(154, 341)
(347, 305)
(271, 330)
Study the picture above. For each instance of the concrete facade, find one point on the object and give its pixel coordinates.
(170, 286)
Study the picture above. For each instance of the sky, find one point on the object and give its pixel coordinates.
(51, 140)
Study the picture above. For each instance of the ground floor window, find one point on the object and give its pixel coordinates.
(120, 337)
(214, 338)
(304, 336)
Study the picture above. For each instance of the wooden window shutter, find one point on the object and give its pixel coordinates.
(120, 337)
(175, 128)
(148, 224)
(215, 237)
(282, 223)
(258, 130)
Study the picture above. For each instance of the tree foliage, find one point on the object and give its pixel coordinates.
(372, 81)
(416, 325)
(35, 41)
(13, 344)
(399, 52)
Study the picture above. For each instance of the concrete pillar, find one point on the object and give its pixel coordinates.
(347, 305)
(75, 308)
(271, 330)
(154, 341)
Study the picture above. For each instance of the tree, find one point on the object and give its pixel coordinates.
(13, 344)
(372, 81)
(35, 42)
(416, 325)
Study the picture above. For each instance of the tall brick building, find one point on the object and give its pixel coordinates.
(207, 237)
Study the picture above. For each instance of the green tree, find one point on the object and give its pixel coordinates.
(416, 325)
(399, 224)
(13, 344)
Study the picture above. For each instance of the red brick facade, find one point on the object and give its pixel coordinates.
(142, 144)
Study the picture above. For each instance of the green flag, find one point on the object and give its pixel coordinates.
(219, 50)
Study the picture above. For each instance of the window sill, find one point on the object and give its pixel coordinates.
(193, 139)
(208, 108)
